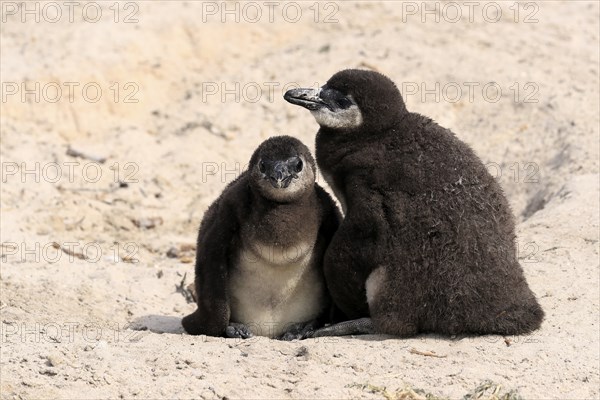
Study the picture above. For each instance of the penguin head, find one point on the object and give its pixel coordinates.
(352, 99)
(282, 169)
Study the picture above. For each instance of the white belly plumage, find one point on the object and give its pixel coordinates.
(373, 284)
(273, 287)
(338, 193)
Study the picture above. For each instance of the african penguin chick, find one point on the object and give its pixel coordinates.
(261, 246)
(428, 239)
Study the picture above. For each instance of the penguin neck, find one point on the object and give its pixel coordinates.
(285, 223)
(274, 206)
(334, 146)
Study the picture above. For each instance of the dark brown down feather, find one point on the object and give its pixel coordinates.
(423, 206)
(242, 209)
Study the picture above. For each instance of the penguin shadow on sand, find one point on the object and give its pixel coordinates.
(157, 324)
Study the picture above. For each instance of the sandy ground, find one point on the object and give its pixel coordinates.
(168, 101)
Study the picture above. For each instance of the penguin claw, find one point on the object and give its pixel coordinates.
(238, 331)
(289, 336)
(302, 330)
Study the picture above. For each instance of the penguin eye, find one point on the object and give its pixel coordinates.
(336, 97)
(261, 167)
(299, 166)
(344, 102)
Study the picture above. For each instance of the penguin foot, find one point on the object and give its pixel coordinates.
(299, 331)
(362, 326)
(191, 325)
(238, 331)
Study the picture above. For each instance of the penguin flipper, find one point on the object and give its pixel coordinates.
(214, 239)
(361, 326)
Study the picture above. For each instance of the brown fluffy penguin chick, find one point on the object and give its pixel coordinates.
(261, 246)
(428, 239)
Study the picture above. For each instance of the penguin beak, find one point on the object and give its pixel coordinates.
(307, 98)
(280, 176)
(281, 172)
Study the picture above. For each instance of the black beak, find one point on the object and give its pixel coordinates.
(307, 98)
(280, 175)
(281, 172)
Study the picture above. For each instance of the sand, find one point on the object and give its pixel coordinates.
(164, 103)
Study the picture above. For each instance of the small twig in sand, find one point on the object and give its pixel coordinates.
(147, 223)
(191, 288)
(181, 288)
(78, 154)
(426, 353)
(69, 252)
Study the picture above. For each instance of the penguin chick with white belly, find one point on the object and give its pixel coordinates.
(428, 239)
(260, 249)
